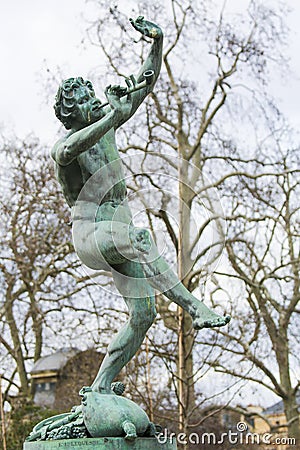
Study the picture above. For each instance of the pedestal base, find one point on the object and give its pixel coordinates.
(108, 443)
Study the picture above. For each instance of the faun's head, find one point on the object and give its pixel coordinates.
(76, 104)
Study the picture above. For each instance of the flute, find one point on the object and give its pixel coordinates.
(148, 77)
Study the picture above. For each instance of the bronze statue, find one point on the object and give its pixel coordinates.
(89, 169)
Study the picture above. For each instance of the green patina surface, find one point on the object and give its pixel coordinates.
(90, 171)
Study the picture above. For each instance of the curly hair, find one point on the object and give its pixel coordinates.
(65, 102)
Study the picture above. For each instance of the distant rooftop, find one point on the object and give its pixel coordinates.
(278, 408)
(55, 361)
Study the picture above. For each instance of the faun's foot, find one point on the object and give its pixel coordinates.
(140, 239)
(117, 388)
(101, 389)
(210, 321)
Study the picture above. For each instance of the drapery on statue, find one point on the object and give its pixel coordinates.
(89, 169)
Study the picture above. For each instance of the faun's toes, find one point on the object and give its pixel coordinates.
(210, 323)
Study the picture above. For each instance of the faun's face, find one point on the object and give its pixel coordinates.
(87, 109)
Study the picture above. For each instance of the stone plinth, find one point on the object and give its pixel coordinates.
(108, 443)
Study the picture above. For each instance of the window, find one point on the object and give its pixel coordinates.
(41, 387)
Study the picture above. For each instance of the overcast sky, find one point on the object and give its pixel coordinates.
(36, 34)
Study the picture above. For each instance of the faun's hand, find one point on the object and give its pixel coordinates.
(146, 28)
(114, 94)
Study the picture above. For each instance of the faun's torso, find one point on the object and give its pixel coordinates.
(94, 176)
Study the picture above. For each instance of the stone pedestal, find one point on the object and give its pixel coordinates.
(108, 443)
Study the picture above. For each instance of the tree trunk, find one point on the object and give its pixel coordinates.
(292, 417)
(18, 354)
(290, 404)
(186, 393)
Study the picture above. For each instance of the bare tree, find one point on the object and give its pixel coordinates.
(44, 298)
(187, 153)
(263, 250)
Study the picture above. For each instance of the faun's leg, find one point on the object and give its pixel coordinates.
(161, 277)
(141, 316)
(116, 242)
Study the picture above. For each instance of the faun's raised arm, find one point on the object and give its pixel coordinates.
(152, 62)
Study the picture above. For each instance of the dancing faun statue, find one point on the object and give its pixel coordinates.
(103, 232)
(90, 171)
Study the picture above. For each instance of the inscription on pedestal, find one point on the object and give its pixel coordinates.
(101, 444)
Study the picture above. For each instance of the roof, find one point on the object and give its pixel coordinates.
(278, 408)
(55, 361)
